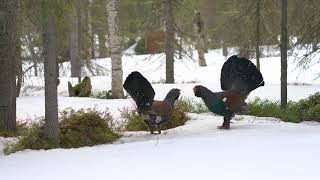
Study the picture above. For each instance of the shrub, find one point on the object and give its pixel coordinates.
(133, 120)
(21, 126)
(102, 94)
(267, 108)
(86, 128)
(303, 110)
(135, 123)
(128, 43)
(83, 89)
(186, 104)
(141, 47)
(77, 129)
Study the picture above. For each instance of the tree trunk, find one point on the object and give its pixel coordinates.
(169, 44)
(8, 56)
(90, 31)
(19, 72)
(35, 67)
(244, 49)
(284, 46)
(115, 45)
(74, 43)
(50, 72)
(180, 47)
(102, 44)
(258, 34)
(224, 49)
(200, 39)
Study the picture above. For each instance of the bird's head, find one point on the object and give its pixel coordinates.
(198, 90)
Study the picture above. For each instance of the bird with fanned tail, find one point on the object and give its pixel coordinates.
(153, 112)
(239, 76)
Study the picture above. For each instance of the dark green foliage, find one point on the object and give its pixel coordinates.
(136, 123)
(141, 47)
(86, 128)
(303, 110)
(133, 120)
(82, 89)
(186, 104)
(104, 95)
(5, 133)
(309, 109)
(33, 138)
(78, 128)
(267, 108)
(129, 43)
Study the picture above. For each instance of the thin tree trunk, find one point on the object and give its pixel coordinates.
(19, 73)
(169, 44)
(200, 39)
(35, 67)
(180, 47)
(50, 72)
(74, 43)
(258, 35)
(90, 31)
(284, 41)
(102, 44)
(8, 56)
(224, 49)
(115, 45)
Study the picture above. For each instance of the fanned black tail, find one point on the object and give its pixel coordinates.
(172, 96)
(240, 74)
(139, 89)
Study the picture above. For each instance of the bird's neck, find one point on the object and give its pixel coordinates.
(170, 100)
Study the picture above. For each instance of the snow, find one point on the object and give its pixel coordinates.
(254, 148)
(187, 74)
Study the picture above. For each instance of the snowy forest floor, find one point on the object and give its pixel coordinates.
(254, 148)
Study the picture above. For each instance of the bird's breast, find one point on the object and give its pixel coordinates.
(152, 118)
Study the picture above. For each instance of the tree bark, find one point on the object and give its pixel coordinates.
(200, 39)
(50, 72)
(19, 73)
(8, 56)
(102, 44)
(169, 44)
(224, 49)
(284, 47)
(74, 42)
(90, 31)
(115, 45)
(258, 34)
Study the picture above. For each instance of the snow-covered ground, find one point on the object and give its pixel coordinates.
(187, 75)
(255, 148)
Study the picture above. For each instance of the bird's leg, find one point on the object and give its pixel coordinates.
(150, 127)
(226, 123)
(158, 128)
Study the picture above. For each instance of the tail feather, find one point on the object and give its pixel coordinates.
(240, 74)
(172, 96)
(139, 89)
